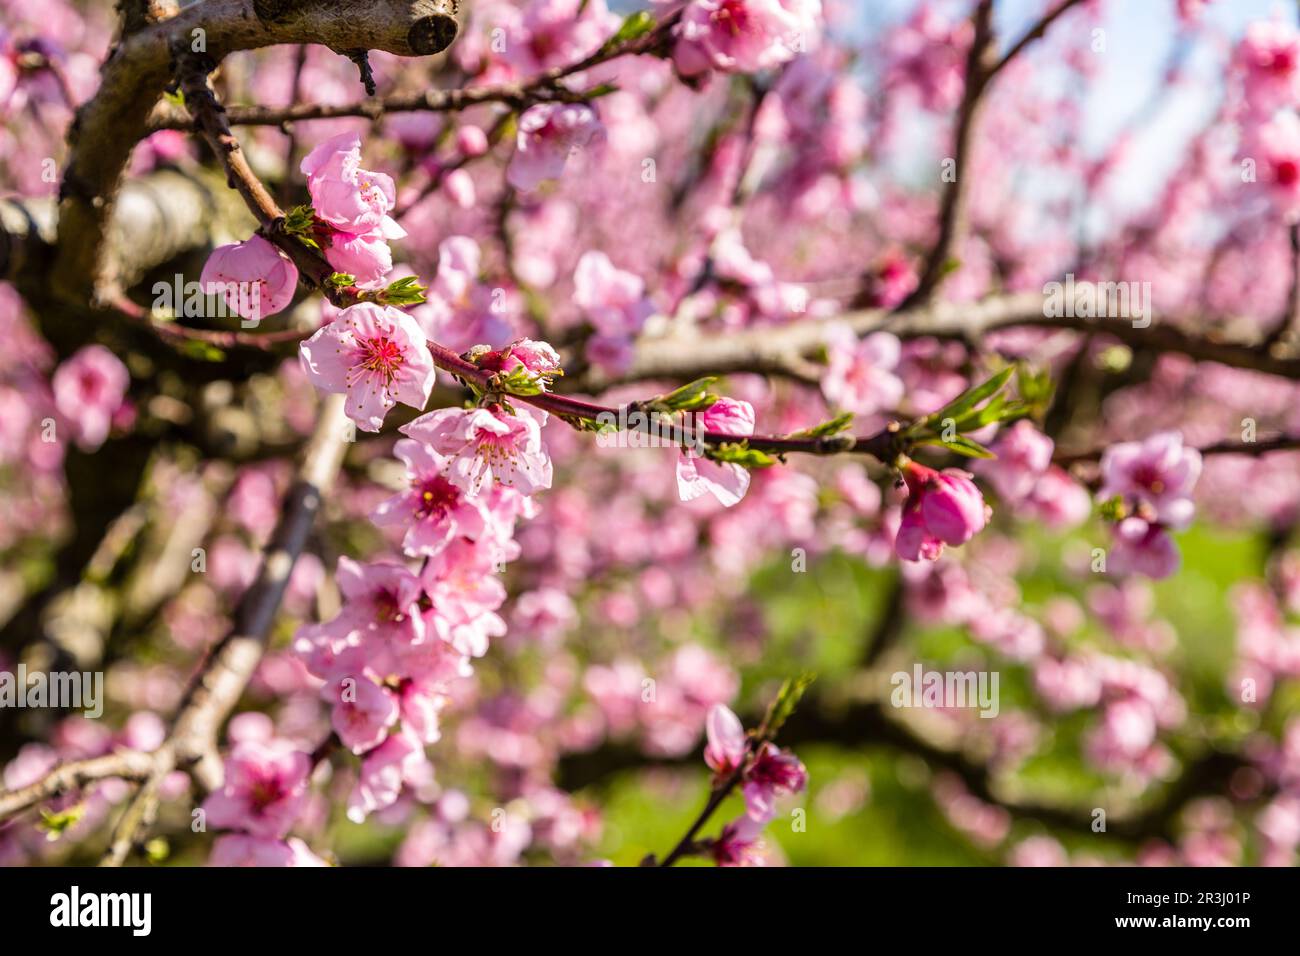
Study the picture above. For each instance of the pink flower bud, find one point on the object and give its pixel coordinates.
(953, 508)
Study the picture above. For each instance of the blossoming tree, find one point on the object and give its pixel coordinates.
(436, 419)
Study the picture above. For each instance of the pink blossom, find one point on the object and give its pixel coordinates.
(548, 134)
(240, 849)
(613, 300)
(1023, 455)
(774, 773)
(859, 375)
(739, 844)
(465, 592)
(1157, 472)
(380, 602)
(433, 509)
(726, 481)
(264, 789)
(349, 198)
(89, 388)
(727, 745)
(488, 445)
(376, 355)
(363, 711)
(943, 507)
(1275, 149)
(536, 358)
(384, 771)
(1142, 548)
(743, 35)
(365, 256)
(254, 278)
(1269, 60)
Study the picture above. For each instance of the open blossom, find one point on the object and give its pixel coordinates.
(363, 711)
(1158, 473)
(774, 773)
(743, 35)
(253, 278)
(726, 481)
(615, 303)
(548, 134)
(464, 594)
(1023, 455)
(398, 761)
(860, 373)
(381, 601)
(349, 198)
(1275, 149)
(264, 789)
(375, 354)
(365, 256)
(488, 445)
(1269, 60)
(434, 509)
(943, 507)
(89, 388)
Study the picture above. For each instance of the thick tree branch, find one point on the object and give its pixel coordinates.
(139, 69)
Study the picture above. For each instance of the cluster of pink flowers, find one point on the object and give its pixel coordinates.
(354, 204)
(1153, 480)
(1267, 61)
(766, 775)
(1023, 476)
(261, 797)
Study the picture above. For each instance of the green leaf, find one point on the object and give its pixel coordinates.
(203, 351)
(1113, 509)
(787, 699)
(1035, 388)
(300, 221)
(634, 26)
(406, 291)
(961, 445)
(826, 429)
(692, 397)
(341, 280)
(973, 396)
(739, 453)
(54, 824)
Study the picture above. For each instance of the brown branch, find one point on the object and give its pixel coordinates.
(139, 68)
(544, 88)
(220, 680)
(768, 350)
(982, 65)
(76, 775)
